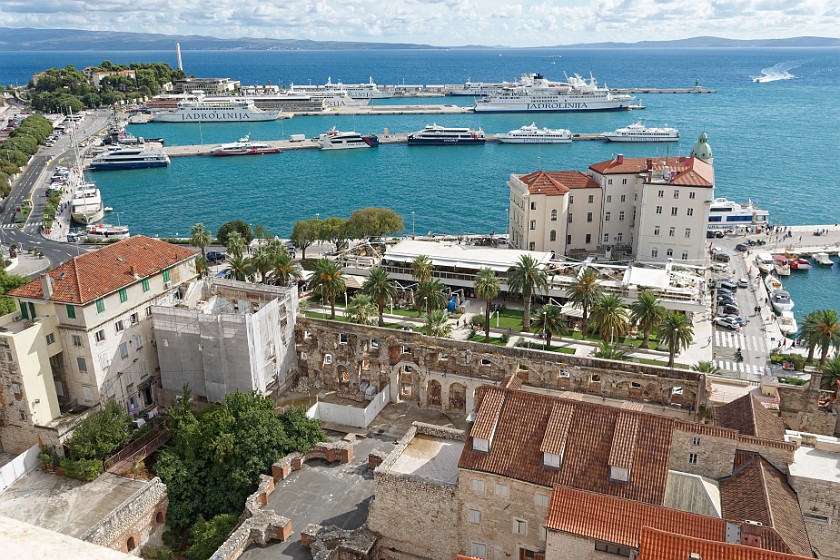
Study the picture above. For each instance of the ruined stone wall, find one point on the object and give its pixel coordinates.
(444, 373)
(820, 503)
(800, 410)
(714, 456)
(563, 546)
(129, 526)
(779, 453)
(817, 422)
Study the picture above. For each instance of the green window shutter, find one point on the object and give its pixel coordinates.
(123, 295)
(145, 284)
(100, 305)
(23, 311)
(71, 312)
(166, 275)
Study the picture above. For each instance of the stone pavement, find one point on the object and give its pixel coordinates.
(27, 264)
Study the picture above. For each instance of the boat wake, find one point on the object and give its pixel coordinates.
(775, 73)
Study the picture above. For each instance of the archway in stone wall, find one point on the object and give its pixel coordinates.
(457, 397)
(130, 544)
(433, 393)
(159, 518)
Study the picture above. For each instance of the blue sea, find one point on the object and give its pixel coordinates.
(775, 141)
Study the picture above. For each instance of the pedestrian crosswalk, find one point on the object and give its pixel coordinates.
(732, 365)
(729, 339)
(8, 226)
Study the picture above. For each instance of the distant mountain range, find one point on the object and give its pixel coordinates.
(28, 39)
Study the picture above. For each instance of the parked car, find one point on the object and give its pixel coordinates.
(729, 310)
(226, 273)
(726, 300)
(215, 256)
(727, 285)
(710, 234)
(740, 247)
(743, 283)
(721, 257)
(719, 234)
(726, 323)
(737, 319)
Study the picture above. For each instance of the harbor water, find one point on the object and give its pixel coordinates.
(774, 141)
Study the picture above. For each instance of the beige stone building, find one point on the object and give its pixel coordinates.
(83, 335)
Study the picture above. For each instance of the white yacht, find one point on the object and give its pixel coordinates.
(107, 231)
(530, 134)
(772, 283)
(436, 135)
(780, 300)
(823, 259)
(637, 132)
(86, 206)
(725, 213)
(216, 109)
(244, 147)
(355, 91)
(141, 157)
(477, 89)
(764, 262)
(787, 322)
(335, 140)
(533, 93)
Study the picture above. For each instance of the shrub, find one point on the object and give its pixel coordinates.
(207, 536)
(100, 434)
(83, 469)
(792, 380)
(505, 338)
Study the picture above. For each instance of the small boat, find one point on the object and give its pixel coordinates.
(244, 147)
(823, 259)
(787, 322)
(637, 132)
(799, 263)
(764, 262)
(436, 135)
(530, 134)
(772, 283)
(107, 231)
(335, 140)
(781, 265)
(780, 300)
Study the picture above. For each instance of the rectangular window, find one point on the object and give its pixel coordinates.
(128, 378)
(123, 295)
(623, 182)
(656, 231)
(533, 205)
(478, 485)
(551, 460)
(654, 252)
(532, 246)
(606, 238)
(123, 350)
(695, 441)
(149, 311)
(138, 341)
(145, 284)
(77, 340)
(591, 198)
(612, 549)
(658, 209)
(624, 196)
(676, 194)
(692, 458)
(134, 318)
(674, 210)
(520, 526)
(568, 240)
(474, 516)
(672, 231)
(570, 218)
(141, 367)
(80, 363)
(533, 225)
(660, 194)
(104, 360)
(100, 335)
(621, 216)
(619, 236)
(119, 326)
(478, 550)
(50, 338)
(688, 233)
(589, 216)
(691, 195)
(606, 216)
(100, 305)
(609, 198)
(342, 338)
(71, 311)
(571, 199)
(542, 500)
(23, 312)
(689, 211)
(166, 275)
(588, 238)
(609, 181)
(501, 490)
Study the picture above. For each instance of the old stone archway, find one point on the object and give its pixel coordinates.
(130, 544)
(457, 397)
(433, 392)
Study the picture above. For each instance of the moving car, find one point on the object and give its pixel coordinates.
(215, 256)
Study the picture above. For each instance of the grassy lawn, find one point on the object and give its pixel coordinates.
(662, 363)
(343, 319)
(539, 346)
(635, 342)
(479, 337)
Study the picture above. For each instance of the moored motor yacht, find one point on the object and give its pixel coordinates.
(335, 140)
(244, 147)
(781, 265)
(772, 283)
(787, 322)
(86, 206)
(823, 259)
(436, 135)
(799, 263)
(637, 132)
(780, 300)
(764, 262)
(530, 134)
(107, 231)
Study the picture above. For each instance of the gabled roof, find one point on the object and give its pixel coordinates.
(749, 417)
(758, 491)
(88, 277)
(668, 545)
(521, 427)
(554, 183)
(688, 171)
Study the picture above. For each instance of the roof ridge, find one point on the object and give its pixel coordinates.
(76, 277)
(766, 494)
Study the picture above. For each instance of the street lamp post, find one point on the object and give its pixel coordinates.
(544, 319)
(426, 301)
(412, 224)
(345, 303)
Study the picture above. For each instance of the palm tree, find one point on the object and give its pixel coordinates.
(676, 332)
(610, 317)
(437, 324)
(236, 244)
(422, 268)
(486, 288)
(706, 366)
(327, 278)
(525, 278)
(284, 269)
(831, 374)
(361, 310)
(550, 321)
(429, 295)
(807, 334)
(646, 313)
(821, 328)
(380, 288)
(201, 237)
(262, 261)
(583, 293)
(240, 267)
(609, 352)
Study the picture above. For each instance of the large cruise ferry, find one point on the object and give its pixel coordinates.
(86, 206)
(436, 135)
(530, 134)
(129, 158)
(356, 91)
(533, 93)
(477, 89)
(637, 132)
(725, 213)
(217, 109)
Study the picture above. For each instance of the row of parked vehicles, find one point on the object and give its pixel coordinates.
(728, 313)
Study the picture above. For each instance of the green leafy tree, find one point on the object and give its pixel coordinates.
(583, 293)
(486, 288)
(676, 332)
(550, 321)
(830, 374)
(335, 231)
(201, 237)
(646, 312)
(361, 310)
(262, 262)
(305, 233)
(381, 289)
(240, 267)
(207, 536)
(327, 280)
(422, 268)
(371, 222)
(284, 269)
(820, 329)
(429, 296)
(235, 244)
(9, 282)
(437, 324)
(101, 434)
(610, 317)
(525, 278)
(234, 225)
(706, 366)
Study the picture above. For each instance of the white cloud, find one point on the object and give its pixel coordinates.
(439, 22)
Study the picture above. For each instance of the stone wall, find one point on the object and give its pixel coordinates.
(445, 373)
(820, 503)
(130, 525)
(714, 455)
(779, 453)
(563, 546)
(800, 410)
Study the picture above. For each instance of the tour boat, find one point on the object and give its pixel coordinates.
(107, 231)
(725, 213)
(530, 134)
(86, 206)
(130, 158)
(823, 259)
(335, 140)
(780, 265)
(637, 132)
(244, 147)
(436, 135)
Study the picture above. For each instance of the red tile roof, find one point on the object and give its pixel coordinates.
(689, 171)
(520, 430)
(666, 545)
(93, 275)
(750, 418)
(624, 440)
(553, 183)
(557, 431)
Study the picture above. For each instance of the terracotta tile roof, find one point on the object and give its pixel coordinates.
(758, 491)
(554, 183)
(488, 414)
(688, 171)
(620, 521)
(520, 432)
(750, 418)
(93, 275)
(557, 431)
(667, 545)
(705, 429)
(624, 440)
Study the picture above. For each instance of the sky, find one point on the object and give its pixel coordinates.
(515, 23)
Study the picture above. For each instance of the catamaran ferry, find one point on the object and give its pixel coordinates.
(637, 132)
(355, 91)
(533, 93)
(218, 109)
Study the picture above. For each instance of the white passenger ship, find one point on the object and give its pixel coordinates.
(216, 109)
(477, 89)
(637, 132)
(335, 140)
(530, 134)
(130, 158)
(86, 206)
(533, 93)
(355, 91)
(436, 135)
(724, 213)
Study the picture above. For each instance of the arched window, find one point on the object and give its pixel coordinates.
(669, 252)
(554, 215)
(552, 236)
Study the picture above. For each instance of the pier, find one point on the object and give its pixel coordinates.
(695, 89)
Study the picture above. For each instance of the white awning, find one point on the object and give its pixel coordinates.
(468, 258)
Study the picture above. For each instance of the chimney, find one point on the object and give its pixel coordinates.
(620, 159)
(695, 556)
(133, 270)
(46, 285)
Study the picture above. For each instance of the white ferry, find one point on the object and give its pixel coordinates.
(725, 213)
(356, 91)
(530, 134)
(436, 135)
(86, 206)
(129, 158)
(218, 109)
(477, 89)
(533, 93)
(244, 147)
(335, 140)
(637, 132)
